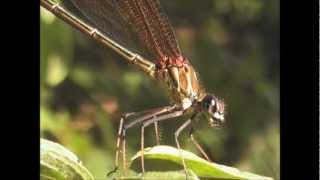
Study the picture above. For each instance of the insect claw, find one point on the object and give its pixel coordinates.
(112, 171)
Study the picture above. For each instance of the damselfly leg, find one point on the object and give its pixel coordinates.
(153, 117)
(188, 123)
(197, 145)
(153, 114)
(160, 117)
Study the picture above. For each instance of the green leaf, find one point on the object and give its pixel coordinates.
(151, 175)
(57, 162)
(199, 166)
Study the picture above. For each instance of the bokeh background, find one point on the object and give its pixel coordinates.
(233, 44)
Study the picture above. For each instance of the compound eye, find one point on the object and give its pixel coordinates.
(206, 105)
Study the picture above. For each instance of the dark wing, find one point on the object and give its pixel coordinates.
(141, 21)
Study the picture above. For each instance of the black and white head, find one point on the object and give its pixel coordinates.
(214, 109)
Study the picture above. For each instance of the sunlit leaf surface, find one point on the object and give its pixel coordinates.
(198, 165)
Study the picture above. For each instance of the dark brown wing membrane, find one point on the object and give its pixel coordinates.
(166, 31)
(141, 20)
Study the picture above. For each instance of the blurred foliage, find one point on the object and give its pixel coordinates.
(233, 44)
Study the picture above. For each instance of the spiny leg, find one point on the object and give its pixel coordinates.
(198, 145)
(156, 130)
(119, 137)
(176, 136)
(177, 133)
(151, 113)
(173, 114)
(120, 131)
(138, 120)
(147, 122)
(124, 162)
(142, 139)
(142, 147)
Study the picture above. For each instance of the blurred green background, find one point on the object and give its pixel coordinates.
(233, 44)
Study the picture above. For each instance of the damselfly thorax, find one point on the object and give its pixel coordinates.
(182, 82)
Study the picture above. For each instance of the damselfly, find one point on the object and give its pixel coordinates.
(146, 21)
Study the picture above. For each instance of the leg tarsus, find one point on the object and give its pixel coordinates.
(124, 162)
(142, 148)
(112, 171)
(198, 146)
(194, 141)
(176, 136)
(156, 129)
(124, 116)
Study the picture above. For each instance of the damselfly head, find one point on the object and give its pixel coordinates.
(214, 108)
